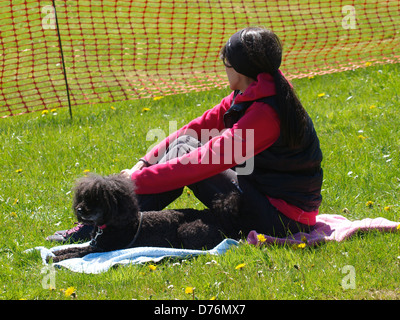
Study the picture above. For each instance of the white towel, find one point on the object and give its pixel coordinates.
(102, 261)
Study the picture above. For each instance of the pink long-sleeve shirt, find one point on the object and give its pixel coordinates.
(222, 148)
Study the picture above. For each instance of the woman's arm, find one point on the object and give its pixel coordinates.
(258, 129)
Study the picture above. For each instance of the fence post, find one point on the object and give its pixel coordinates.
(62, 59)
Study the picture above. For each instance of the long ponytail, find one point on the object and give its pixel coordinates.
(293, 116)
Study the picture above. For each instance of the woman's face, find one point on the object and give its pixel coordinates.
(237, 81)
(233, 78)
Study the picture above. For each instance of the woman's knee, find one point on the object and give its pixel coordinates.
(187, 140)
(179, 147)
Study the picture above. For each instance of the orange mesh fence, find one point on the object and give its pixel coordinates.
(121, 50)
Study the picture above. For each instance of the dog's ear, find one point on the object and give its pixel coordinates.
(123, 203)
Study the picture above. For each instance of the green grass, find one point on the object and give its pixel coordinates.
(358, 125)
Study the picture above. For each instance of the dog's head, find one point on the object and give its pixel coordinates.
(108, 200)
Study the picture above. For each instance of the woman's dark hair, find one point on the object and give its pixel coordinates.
(254, 50)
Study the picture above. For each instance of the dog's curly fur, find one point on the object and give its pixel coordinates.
(111, 201)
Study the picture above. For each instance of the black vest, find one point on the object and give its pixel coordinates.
(291, 174)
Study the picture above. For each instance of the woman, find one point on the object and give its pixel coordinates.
(261, 124)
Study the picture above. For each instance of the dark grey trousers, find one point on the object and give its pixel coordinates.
(258, 212)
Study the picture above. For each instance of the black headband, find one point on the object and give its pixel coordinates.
(237, 57)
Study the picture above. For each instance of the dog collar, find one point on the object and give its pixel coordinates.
(93, 242)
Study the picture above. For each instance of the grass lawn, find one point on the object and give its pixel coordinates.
(356, 116)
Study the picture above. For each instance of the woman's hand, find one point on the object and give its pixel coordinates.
(128, 172)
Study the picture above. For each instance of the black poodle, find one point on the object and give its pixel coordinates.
(109, 203)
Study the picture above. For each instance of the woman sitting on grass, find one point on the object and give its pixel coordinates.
(258, 141)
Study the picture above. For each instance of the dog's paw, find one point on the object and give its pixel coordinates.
(52, 259)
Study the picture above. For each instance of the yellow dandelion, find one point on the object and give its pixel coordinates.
(145, 109)
(387, 208)
(70, 291)
(310, 77)
(18, 170)
(369, 203)
(152, 267)
(240, 266)
(157, 98)
(367, 64)
(372, 107)
(261, 238)
(85, 172)
(13, 214)
(53, 110)
(213, 298)
(398, 227)
(189, 290)
(301, 245)
(362, 137)
(321, 95)
(45, 112)
(113, 108)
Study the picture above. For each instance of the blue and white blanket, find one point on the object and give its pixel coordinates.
(102, 261)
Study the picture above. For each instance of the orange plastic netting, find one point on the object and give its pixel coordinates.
(120, 50)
